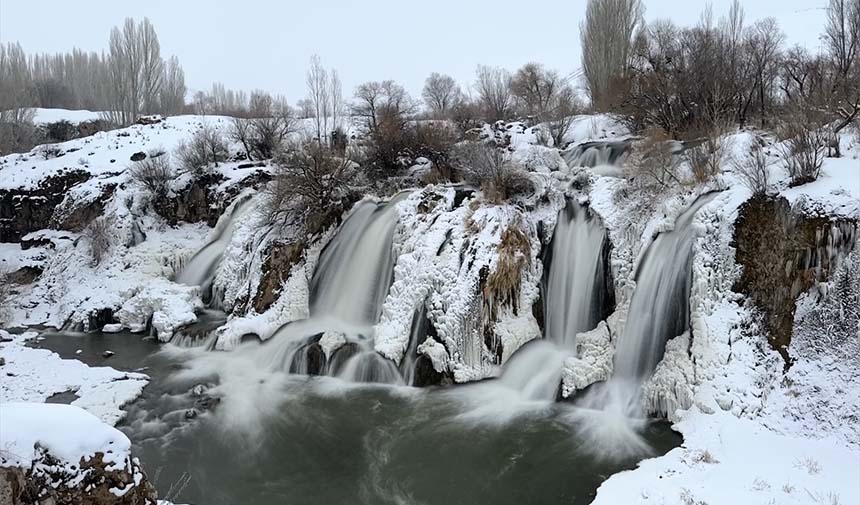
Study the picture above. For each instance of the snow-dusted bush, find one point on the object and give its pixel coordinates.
(492, 169)
(262, 137)
(830, 328)
(206, 147)
(5, 294)
(308, 181)
(98, 236)
(804, 150)
(706, 159)
(653, 161)
(754, 169)
(153, 172)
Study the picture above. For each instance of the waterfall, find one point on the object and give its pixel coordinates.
(535, 370)
(575, 295)
(417, 334)
(355, 269)
(574, 288)
(347, 291)
(202, 267)
(595, 153)
(659, 310)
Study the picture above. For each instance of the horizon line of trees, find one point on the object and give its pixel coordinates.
(685, 81)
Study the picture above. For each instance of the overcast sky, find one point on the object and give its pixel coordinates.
(261, 44)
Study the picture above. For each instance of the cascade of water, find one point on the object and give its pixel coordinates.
(417, 335)
(535, 370)
(202, 267)
(348, 288)
(355, 269)
(574, 290)
(595, 153)
(659, 310)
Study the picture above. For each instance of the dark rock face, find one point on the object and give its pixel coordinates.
(425, 374)
(784, 254)
(74, 215)
(50, 481)
(138, 156)
(280, 259)
(99, 318)
(194, 203)
(26, 210)
(341, 355)
(309, 359)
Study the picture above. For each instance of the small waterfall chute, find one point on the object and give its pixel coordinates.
(200, 270)
(659, 310)
(574, 286)
(595, 153)
(349, 285)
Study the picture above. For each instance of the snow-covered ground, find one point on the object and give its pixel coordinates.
(752, 433)
(34, 375)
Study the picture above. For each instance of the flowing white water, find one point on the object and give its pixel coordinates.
(659, 310)
(351, 281)
(595, 153)
(348, 288)
(201, 268)
(574, 290)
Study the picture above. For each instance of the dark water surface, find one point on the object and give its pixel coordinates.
(298, 440)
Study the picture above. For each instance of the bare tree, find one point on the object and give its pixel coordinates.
(607, 39)
(441, 94)
(764, 40)
(318, 93)
(135, 71)
(842, 37)
(336, 100)
(173, 88)
(536, 89)
(493, 86)
(383, 104)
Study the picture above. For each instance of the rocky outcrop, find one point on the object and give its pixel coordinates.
(280, 259)
(26, 210)
(197, 202)
(784, 254)
(92, 482)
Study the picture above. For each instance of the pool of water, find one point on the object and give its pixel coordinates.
(211, 429)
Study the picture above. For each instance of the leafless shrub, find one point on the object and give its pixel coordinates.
(492, 169)
(653, 161)
(205, 148)
(704, 456)
(153, 172)
(754, 169)
(812, 466)
(803, 149)
(706, 159)
(308, 181)
(5, 293)
(98, 235)
(262, 137)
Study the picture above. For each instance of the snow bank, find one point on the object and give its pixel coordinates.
(67, 432)
(33, 375)
(727, 460)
